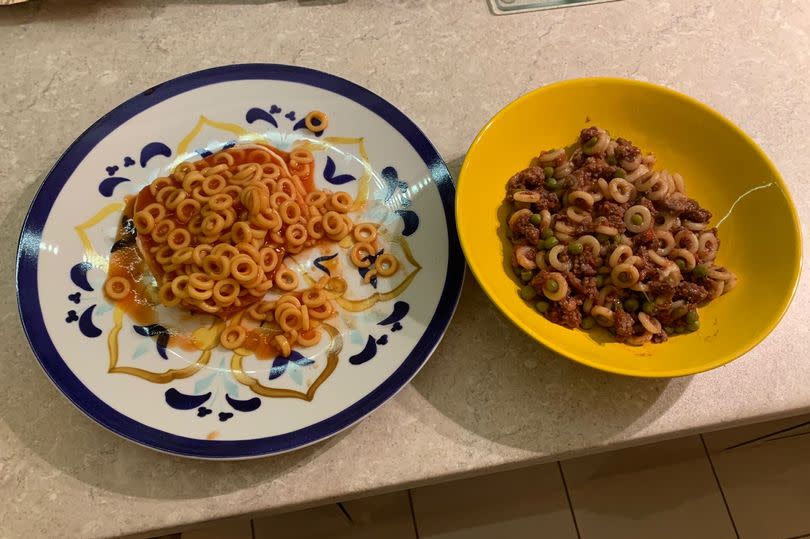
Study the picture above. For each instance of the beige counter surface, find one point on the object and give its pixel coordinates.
(490, 397)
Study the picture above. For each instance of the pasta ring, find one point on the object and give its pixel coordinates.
(268, 259)
(200, 281)
(315, 228)
(286, 279)
(161, 230)
(217, 267)
(361, 254)
(309, 338)
(341, 201)
(180, 286)
(143, 221)
(117, 288)
(243, 268)
(158, 184)
(233, 337)
(158, 211)
(166, 295)
(386, 264)
(178, 238)
(226, 291)
(290, 211)
(316, 121)
(186, 209)
(283, 345)
(366, 232)
(314, 297)
(296, 234)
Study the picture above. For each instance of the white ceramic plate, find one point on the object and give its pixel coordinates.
(191, 403)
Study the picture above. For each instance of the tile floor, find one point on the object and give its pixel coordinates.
(750, 482)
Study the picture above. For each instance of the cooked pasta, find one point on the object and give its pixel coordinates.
(216, 234)
(602, 238)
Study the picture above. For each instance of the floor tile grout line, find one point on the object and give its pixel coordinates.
(413, 515)
(760, 438)
(345, 512)
(719, 486)
(568, 498)
(805, 536)
(252, 530)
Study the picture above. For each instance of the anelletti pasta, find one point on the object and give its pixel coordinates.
(216, 233)
(602, 238)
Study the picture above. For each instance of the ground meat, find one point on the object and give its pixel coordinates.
(523, 231)
(679, 205)
(539, 281)
(661, 289)
(645, 239)
(646, 268)
(596, 168)
(698, 215)
(623, 322)
(584, 264)
(579, 180)
(565, 312)
(548, 201)
(691, 292)
(528, 179)
(612, 214)
(625, 151)
(588, 133)
(586, 286)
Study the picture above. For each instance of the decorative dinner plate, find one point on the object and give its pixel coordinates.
(170, 384)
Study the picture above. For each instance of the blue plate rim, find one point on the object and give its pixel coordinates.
(102, 413)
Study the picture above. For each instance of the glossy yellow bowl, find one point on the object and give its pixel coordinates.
(723, 169)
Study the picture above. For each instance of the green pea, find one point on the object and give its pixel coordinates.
(618, 240)
(536, 219)
(526, 276)
(692, 317)
(549, 172)
(648, 307)
(636, 219)
(527, 292)
(588, 322)
(700, 271)
(669, 330)
(631, 305)
(547, 233)
(575, 248)
(694, 326)
(681, 264)
(591, 142)
(552, 285)
(550, 242)
(680, 329)
(620, 173)
(603, 238)
(611, 160)
(600, 281)
(542, 306)
(551, 183)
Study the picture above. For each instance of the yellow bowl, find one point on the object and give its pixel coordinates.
(723, 169)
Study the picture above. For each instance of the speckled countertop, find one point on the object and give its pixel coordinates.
(490, 397)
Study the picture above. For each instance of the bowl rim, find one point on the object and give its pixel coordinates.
(544, 339)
